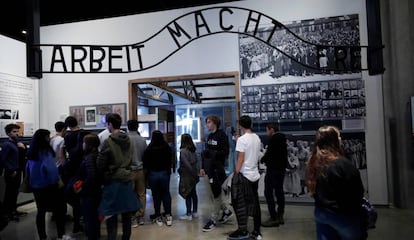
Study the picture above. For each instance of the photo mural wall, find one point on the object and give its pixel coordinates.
(281, 85)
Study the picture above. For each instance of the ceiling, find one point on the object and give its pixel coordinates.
(186, 92)
(13, 12)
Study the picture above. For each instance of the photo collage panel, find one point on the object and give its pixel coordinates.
(322, 100)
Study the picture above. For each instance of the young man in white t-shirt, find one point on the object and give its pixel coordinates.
(57, 143)
(248, 147)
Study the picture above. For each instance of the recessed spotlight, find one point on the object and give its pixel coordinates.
(24, 32)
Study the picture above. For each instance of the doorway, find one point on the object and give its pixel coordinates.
(186, 99)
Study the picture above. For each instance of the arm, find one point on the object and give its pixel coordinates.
(240, 148)
(102, 163)
(224, 143)
(185, 160)
(240, 161)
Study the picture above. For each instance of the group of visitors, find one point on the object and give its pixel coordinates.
(106, 175)
(332, 179)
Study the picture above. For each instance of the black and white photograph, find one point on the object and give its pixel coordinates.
(315, 96)
(78, 113)
(299, 148)
(5, 114)
(294, 59)
(90, 113)
(121, 110)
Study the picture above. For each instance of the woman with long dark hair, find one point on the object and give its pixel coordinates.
(189, 170)
(90, 187)
(44, 181)
(337, 188)
(157, 162)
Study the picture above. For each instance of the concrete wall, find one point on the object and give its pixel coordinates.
(398, 85)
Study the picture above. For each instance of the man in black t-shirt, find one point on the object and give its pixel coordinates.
(73, 148)
(276, 160)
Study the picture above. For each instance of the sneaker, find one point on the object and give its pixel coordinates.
(134, 222)
(66, 237)
(239, 234)
(195, 215)
(270, 223)
(186, 217)
(210, 225)
(256, 235)
(13, 218)
(19, 214)
(159, 221)
(169, 220)
(227, 214)
(77, 228)
(280, 219)
(141, 221)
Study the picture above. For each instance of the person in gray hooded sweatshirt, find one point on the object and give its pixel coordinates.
(114, 166)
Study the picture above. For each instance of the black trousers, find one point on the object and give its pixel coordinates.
(112, 226)
(50, 199)
(11, 191)
(274, 187)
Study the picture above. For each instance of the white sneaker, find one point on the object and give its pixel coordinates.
(195, 215)
(66, 237)
(169, 220)
(141, 221)
(186, 217)
(134, 223)
(159, 221)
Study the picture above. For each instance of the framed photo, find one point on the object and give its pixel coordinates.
(121, 110)
(78, 113)
(90, 116)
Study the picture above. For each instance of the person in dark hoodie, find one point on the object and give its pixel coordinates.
(73, 151)
(12, 159)
(213, 158)
(157, 161)
(88, 187)
(114, 167)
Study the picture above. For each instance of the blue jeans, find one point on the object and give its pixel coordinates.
(159, 183)
(331, 225)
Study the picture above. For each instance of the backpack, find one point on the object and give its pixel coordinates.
(73, 156)
(370, 214)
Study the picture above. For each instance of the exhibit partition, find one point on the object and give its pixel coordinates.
(18, 98)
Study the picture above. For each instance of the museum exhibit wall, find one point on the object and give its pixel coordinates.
(18, 93)
(18, 97)
(209, 54)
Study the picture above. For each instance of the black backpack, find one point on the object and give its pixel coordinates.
(74, 156)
